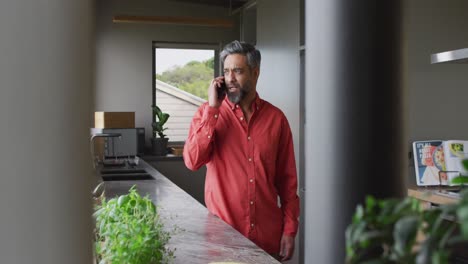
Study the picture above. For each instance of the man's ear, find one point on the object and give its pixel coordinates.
(256, 72)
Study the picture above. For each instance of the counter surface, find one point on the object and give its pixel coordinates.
(200, 237)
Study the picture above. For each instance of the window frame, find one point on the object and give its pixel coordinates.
(182, 45)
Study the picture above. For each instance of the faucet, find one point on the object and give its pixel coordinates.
(107, 135)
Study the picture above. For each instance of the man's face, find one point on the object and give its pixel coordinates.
(240, 79)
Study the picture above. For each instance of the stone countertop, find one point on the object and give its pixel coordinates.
(200, 237)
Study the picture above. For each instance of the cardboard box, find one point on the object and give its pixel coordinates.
(114, 119)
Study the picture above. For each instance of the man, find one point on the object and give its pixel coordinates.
(246, 144)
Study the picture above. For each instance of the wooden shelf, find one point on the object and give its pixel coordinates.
(192, 21)
(431, 195)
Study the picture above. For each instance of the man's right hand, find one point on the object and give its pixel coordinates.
(213, 100)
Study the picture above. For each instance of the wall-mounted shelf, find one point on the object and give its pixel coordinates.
(453, 56)
(192, 21)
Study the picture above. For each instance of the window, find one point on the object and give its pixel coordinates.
(182, 74)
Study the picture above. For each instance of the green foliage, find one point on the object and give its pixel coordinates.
(385, 231)
(194, 77)
(161, 119)
(461, 179)
(128, 231)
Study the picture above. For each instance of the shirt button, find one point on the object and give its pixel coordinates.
(248, 138)
(251, 180)
(216, 116)
(237, 106)
(209, 136)
(241, 118)
(250, 159)
(251, 202)
(252, 224)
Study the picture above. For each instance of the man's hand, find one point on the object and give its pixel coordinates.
(286, 247)
(213, 100)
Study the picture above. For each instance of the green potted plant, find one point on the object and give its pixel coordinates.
(400, 231)
(128, 230)
(159, 139)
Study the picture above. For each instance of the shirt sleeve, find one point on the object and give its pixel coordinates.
(199, 144)
(286, 181)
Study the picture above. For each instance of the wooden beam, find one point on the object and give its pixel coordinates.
(192, 21)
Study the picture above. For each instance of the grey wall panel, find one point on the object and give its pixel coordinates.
(46, 172)
(354, 128)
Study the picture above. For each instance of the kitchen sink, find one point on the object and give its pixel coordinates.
(126, 177)
(122, 171)
(124, 174)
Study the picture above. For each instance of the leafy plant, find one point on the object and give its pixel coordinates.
(128, 231)
(462, 179)
(160, 120)
(400, 231)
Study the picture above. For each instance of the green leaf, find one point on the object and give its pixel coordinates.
(462, 214)
(122, 200)
(465, 164)
(460, 180)
(370, 203)
(130, 231)
(161, 119)
(424, 254)
(404, 234)
(359, 214)
(440, 257)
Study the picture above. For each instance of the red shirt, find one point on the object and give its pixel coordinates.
(249, 165)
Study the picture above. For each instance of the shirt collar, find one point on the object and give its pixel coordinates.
(256, 104)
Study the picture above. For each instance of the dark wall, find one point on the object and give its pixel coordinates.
(192, 182)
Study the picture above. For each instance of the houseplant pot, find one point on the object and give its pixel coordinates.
(159, 146)
(159, 139)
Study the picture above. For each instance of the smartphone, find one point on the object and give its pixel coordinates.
(222, 91)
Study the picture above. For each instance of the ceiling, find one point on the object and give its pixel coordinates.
(233, 4)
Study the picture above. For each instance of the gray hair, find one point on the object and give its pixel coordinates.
(246, 49)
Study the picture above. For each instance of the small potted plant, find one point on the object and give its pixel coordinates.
(159, 139)
(128, 229)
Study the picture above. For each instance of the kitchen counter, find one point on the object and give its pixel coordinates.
(436, 195)
(200, 237)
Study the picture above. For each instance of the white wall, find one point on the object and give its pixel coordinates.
(278, 42)
(46, 172)
(436, 104)
(124, 51)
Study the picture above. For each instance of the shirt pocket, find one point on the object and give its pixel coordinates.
(266, 163)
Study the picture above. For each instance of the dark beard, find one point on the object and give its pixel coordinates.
(236, 97)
